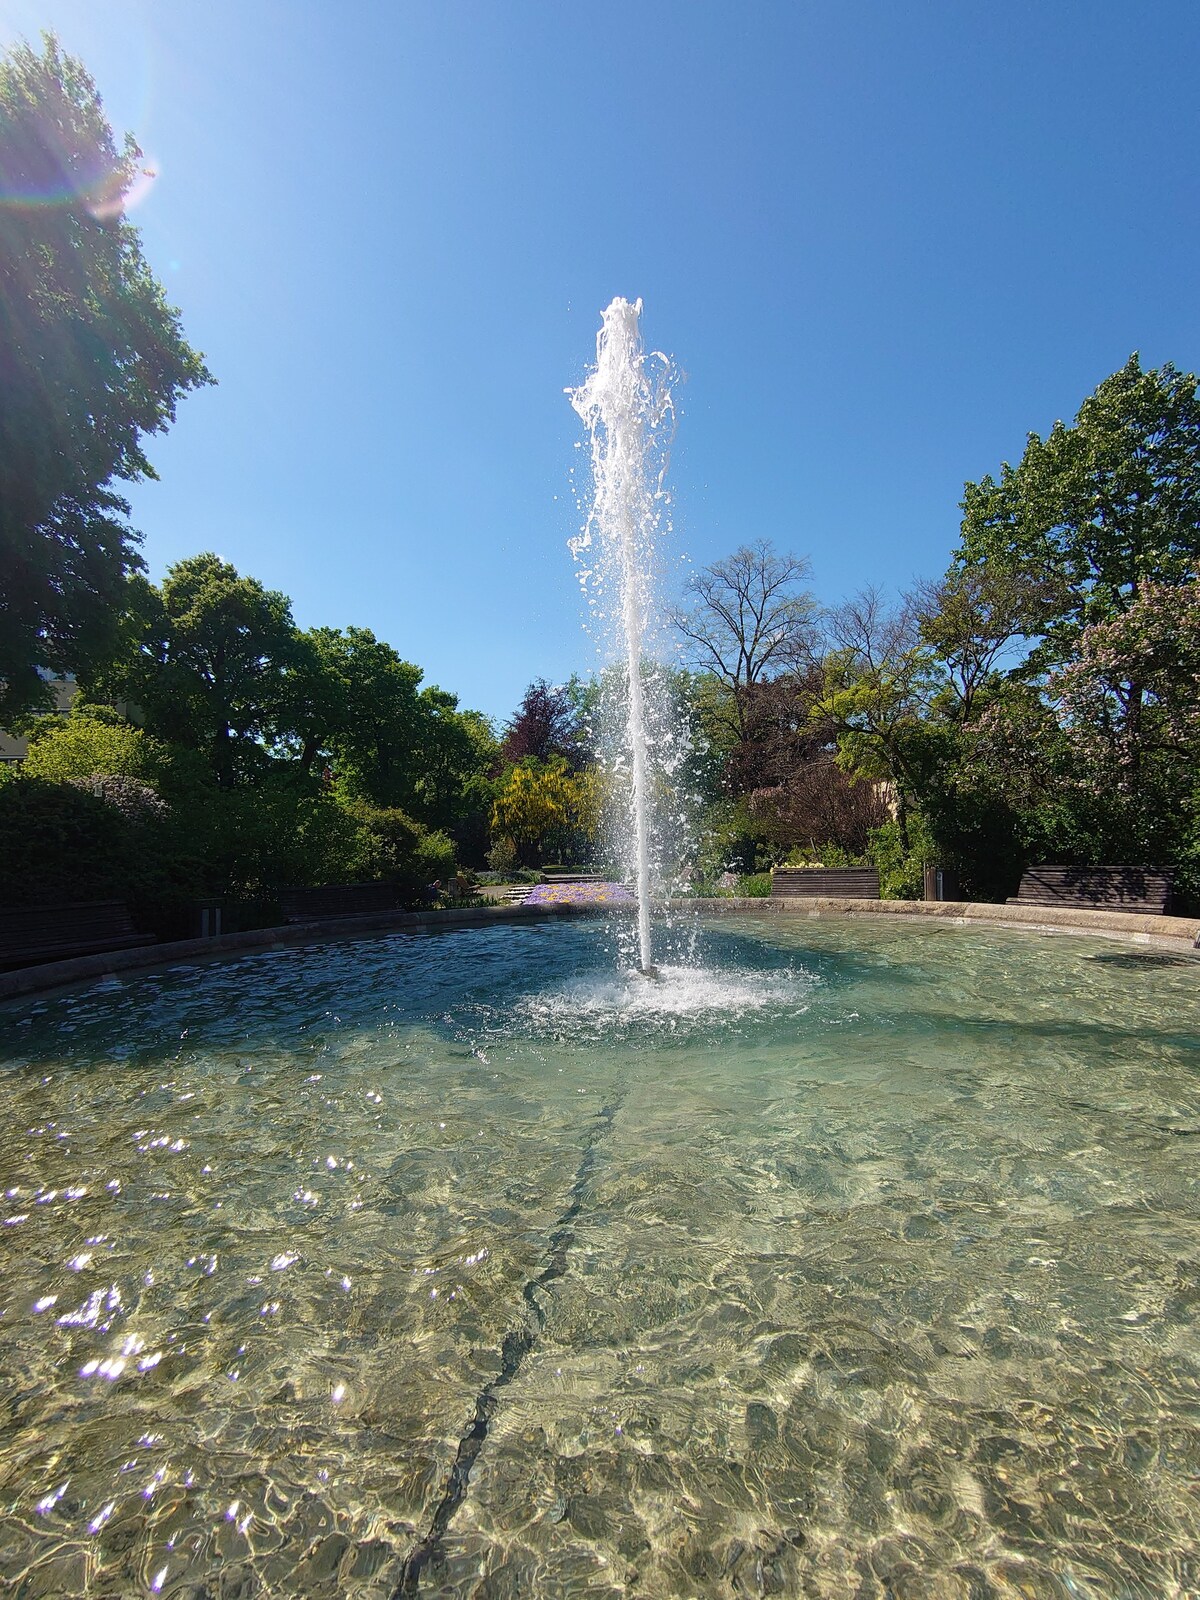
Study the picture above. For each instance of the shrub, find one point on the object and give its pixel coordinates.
(135, 800)
(62, 750)
(392, 847)
(59, 842)
(502, 857)
(901, 876)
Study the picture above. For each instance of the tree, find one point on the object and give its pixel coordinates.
(92, 359)
(80, 746)
(878, 684)
(546, 724)
(972, 619)
(748, 621)
(1133, 692)
(538, 802)
(210, 662)
(351, 699)
(1095, 511)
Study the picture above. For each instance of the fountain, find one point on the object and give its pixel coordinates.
(625, 404)
(465, 1265)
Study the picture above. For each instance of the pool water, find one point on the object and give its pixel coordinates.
(853, 1259)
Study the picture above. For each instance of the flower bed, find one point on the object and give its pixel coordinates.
(579, 894)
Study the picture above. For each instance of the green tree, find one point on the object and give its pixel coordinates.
(352, 697)
(79, 746)
(1095, 511)
(1132, 695)
(92, 359)
(878, 683)
(209, 666)
(976, 621)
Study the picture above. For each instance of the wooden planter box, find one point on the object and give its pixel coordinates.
(837, 883)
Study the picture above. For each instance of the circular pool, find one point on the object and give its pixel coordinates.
(850, 1259)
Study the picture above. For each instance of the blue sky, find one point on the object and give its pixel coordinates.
(882, 241)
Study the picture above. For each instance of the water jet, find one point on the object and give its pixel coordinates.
(624, 402)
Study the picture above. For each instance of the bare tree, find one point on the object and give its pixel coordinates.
(748, 621)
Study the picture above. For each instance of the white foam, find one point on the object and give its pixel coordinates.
(604, 999)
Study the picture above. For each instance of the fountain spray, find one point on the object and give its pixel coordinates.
(625, 404)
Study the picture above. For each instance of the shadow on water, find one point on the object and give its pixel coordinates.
(1131, 960)
(1069, 1031)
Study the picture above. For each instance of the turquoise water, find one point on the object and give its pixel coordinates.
(862, 1261)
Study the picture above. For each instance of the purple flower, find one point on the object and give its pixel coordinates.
(579, 894)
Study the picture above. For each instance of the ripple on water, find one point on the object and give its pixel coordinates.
(908, 1305)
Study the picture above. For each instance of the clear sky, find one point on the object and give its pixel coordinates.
(883, 241)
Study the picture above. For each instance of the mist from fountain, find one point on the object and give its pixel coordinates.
(627, 407)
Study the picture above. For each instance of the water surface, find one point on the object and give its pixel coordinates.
(864, 1261)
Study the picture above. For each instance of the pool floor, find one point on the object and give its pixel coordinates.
(853, 1260)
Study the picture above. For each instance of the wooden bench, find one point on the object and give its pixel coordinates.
(810, 883)
(32, 934)
(336, 900)
(1145, 889)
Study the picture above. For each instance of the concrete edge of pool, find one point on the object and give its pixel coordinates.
(1174, 933)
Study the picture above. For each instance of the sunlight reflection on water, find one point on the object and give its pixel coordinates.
(856, 1259)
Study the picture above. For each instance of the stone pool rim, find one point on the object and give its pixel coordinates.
(1178, 934)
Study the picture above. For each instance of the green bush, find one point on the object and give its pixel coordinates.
(826, 855)
(901, 876)
(755, 885)
(59, 843)
(434, 857)
(392, 847)
(63, 748)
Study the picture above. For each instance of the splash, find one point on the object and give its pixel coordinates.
(626, 405)
(685, 999)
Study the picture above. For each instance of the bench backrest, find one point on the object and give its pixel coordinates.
(337, 900)
(1105, 888)
(39, 933)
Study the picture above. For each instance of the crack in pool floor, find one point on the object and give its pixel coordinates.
(518, 1342)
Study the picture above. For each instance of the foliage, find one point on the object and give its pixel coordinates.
(537, 805)
(755, 885)
(87, 746)
(731, 840)
(590, 803)
(1095, 511)
(826, 855)
(393, 847)
(92, 359)
(818, 805)
(972, 620)
(547, 724)
(877, 691)
(136, 801)
(351, 700)
(209, 664)
(900, 860)
(503, 856)
(60, 843)
(1132, 695)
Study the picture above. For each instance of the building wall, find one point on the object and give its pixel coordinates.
(12, 746)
